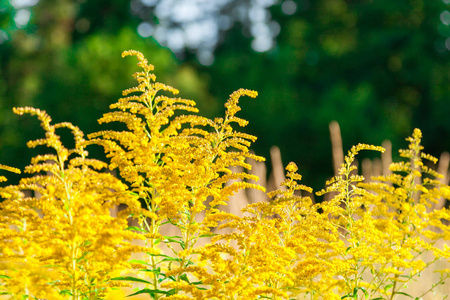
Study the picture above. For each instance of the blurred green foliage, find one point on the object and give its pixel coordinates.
(75, 74)
(380, 68)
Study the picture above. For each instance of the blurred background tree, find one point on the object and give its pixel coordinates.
(380, 68)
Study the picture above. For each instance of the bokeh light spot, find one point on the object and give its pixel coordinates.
(225, 22)
(445, 17)
(3, 36)
(275, 28)
(176, 40)
(262, 43)
(145, 29)
(23, 3)
(149, 2)
(447, 43)
(22, 17)
(289, 7)
(258, 14)
(205, 57)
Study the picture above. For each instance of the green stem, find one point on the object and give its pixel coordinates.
(73, 246)
(154, 228)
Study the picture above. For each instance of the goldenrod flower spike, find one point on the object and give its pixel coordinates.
(60, 242)
(385, 225)
(8, 168)
(177, 164)
(280, 252)
(51, 245)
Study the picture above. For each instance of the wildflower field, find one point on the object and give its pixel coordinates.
(176, 173)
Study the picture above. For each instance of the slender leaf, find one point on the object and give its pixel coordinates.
(184, 278)
(148, 291)
(404, 294)
(130, 278)
(139, 261)
(135, 228)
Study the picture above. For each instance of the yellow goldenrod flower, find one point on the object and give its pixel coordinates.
(64, 241)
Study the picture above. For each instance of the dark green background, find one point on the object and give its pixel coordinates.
(380, 68)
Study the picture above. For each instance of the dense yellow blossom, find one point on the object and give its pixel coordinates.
(58, 239)
(177, 164)
(387, 223)
(277, 252)
(364, 243)
(62, 241)
(8, 168)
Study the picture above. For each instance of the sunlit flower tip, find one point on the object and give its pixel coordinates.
(417, 133)
(356, 149)
(251, 93)
(138, 54)
(429, 157)
(291, 167)
(10, 169)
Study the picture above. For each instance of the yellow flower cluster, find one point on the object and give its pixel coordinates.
(177, 164)
(385, 225)
(273, 253)
(364, 243)
(62, 240)
(58, 239)
(8, 168)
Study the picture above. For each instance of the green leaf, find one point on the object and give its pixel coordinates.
(168, 222)
(157, 255)
(172, 259)
(157, 271)
(83, 257)
(149, 291)
(387, 287)
(130, 278)
(171, 292)
(66, 292)
(208, 235)
(189, 263)
(355, 290)
(173, 239)
(166, 257)
(404, 294)
(354, 294)
(135, 228)
(87, 243)
(184, 278)
(139, 261)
